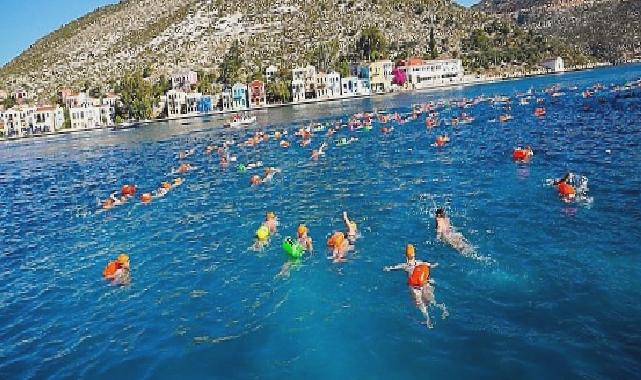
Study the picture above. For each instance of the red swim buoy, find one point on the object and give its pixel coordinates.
(566, 190)
(519, 154)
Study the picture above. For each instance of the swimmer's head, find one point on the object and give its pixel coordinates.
(270, 216)
(165, 185)
(440, 213)
(302, 229)
(123, 259)
(255, 180)
(409, 251)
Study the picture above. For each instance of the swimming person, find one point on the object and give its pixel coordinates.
(118, 271)
(271, 222)
(419, 282)
(446, 233)
(566, 190)
(352, 228)
(303, 238)
(338, 245)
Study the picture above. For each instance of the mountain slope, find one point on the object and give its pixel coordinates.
(196, 34)
(607, 29)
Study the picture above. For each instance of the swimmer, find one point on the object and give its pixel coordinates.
(270, 173)
(118, 271)
(442, 140)
(339, 246)
(253, 165)
(271, 222)
(521, 154)
(162, 190)
(316, 153)
(564, 186)
(261, 238)
(184, 154)
(304, 239)
(420, 283)
(445, 232)
(183, 168)
(352, 228)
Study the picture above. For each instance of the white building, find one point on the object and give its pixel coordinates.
(380, 75)
(554, 65)
(89, 117)
(271, 73)
(298, 90)
(22, 121)
(423, 73)
(184, 80)
(328, 86)
(176, 101)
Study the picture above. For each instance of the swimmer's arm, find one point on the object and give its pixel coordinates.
(395, 267)
(346, 218)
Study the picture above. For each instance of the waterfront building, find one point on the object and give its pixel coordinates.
(298, 90)
(554, 65)
(257, 94)
(89, 116)
(349, 86)
(239, 96)
(225, 100)
(176, 103)
(183, 80)
(380, 76)
(20, 121)
(271, 73)
(328, 85)
(422, 73)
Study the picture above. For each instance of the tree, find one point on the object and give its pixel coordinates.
(67, 122)
(161, 87)
(205, 82)
(232, 63)
(371, 44)
(136, 97)
(343, 67)
(9, 102)
(278, 91)
(433, 52)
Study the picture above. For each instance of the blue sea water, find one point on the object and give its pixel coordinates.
(560, 297)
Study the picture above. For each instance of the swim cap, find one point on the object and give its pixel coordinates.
(262, 233)
(338, 239)
(271, 215)
(409, 251)
(123, 258)
(166, 185)
(255, 180)
(301, 229)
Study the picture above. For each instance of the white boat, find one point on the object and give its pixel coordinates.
(238, 121)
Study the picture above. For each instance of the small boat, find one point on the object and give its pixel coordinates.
(239, 121)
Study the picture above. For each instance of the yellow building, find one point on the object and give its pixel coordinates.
(380, 76)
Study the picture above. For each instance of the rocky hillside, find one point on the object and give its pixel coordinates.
(196, 34)
(606, 29)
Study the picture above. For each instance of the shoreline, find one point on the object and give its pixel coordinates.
(267, 107)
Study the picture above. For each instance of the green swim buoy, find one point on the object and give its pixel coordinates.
(240, 168)
(293, 248)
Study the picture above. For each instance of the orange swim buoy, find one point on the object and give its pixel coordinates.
(566, 190)
(110, 269)
(145, 198)
(128, 190)
(420, 276)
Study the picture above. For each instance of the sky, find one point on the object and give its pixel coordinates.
(25, 21)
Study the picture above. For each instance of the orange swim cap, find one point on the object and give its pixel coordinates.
(409, 251)
(123, 258)
(301, 229)
(255, 180)
(146, 197)
(270, 215)
(166, 185)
